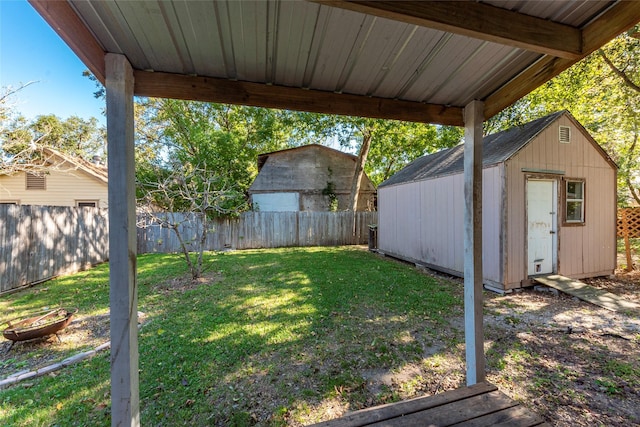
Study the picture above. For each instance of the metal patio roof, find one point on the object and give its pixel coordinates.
(409, 60)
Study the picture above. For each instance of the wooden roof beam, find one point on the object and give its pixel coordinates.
(196, 88)
(477, 20)
(597, 33)
(65, 21)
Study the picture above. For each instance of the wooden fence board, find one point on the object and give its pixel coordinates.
(628, 226)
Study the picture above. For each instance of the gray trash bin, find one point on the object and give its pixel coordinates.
(373, 236)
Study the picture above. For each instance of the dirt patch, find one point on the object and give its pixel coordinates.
(83, 333)
(185, 283)
(624, 284)
(572, 362)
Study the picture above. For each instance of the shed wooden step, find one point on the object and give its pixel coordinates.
(590, 294)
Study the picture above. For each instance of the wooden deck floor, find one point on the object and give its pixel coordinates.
(478, 405)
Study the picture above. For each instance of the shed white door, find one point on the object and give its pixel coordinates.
(541, 226)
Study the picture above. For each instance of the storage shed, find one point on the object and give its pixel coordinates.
(308, 178)
(549, 206)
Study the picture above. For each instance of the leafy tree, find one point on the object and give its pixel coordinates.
(214, 137)
(21, 141)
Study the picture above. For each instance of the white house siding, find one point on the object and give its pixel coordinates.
(583, 251)
(63, 188)
(423, 222)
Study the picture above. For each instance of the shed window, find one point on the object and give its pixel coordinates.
(35, 181)
(574, 201)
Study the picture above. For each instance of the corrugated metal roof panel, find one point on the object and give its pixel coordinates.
(303, 44)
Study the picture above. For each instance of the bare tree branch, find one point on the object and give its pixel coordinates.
(204, 195)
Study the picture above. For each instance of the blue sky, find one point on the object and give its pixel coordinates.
(31, 51)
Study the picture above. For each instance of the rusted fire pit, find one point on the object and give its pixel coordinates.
(38, 325)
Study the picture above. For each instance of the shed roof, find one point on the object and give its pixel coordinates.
(496, 148)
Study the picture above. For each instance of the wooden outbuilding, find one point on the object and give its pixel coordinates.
(549, 206)
(308, 178)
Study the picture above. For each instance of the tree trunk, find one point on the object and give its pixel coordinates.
(359, 171)
(357, 176)
(632, 190)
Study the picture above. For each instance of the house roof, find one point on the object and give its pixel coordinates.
(411, 60)
(262, 158)
(63, 162)
(496, 148)
(56, 157)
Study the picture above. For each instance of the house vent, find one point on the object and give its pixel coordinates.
(565, 134)
(35, 181)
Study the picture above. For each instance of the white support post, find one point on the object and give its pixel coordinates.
(125, 410)
(474, 335)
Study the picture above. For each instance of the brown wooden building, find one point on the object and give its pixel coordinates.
(308, 178)
(549, 206)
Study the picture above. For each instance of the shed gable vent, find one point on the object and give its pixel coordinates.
(564, 134)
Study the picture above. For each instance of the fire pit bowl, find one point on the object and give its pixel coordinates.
(38, 325)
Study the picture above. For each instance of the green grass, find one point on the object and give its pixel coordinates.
(276, 333)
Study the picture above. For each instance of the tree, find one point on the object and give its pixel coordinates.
(191, 198)
(23, 143)
(215, 137)
(621, 58)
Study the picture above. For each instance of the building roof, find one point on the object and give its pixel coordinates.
(96, 171)
(54, 159)
(496, 148)
(411, 60)
(262, 158)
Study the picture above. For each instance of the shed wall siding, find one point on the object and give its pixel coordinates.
(423, 222)
(583, 251)
(63, 188)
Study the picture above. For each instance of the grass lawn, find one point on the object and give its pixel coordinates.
(271, 337)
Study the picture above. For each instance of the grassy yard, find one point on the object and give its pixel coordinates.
(271, 337)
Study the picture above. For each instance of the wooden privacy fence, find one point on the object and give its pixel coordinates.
(253, 230)
(628, 228)
(40, 242)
